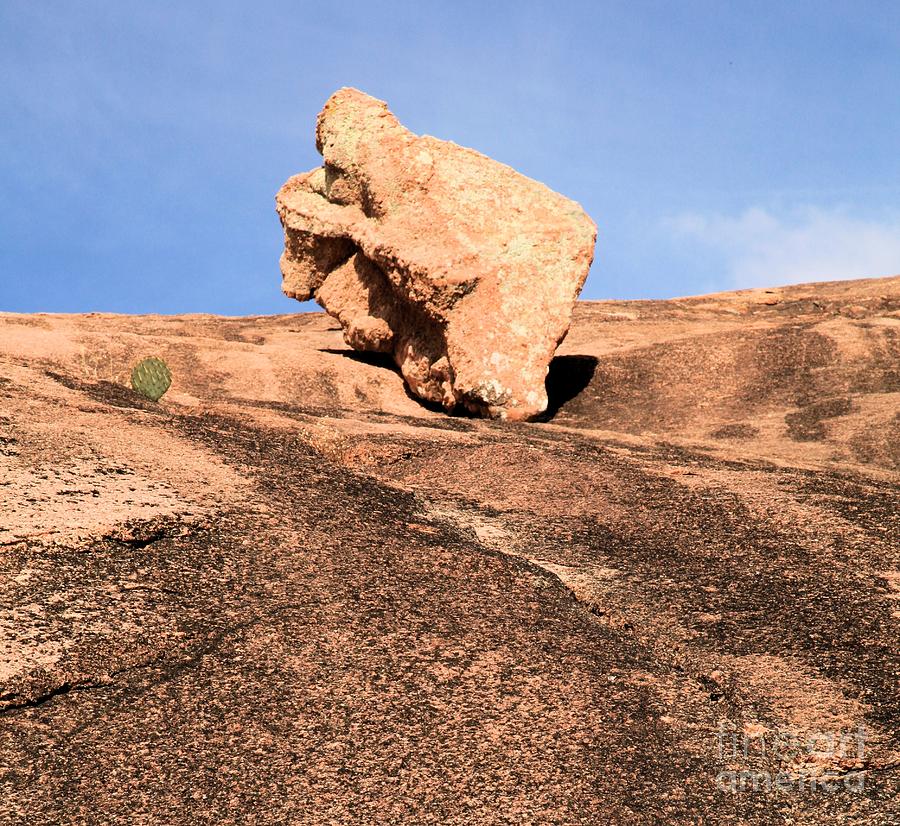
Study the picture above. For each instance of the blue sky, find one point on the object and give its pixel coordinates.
(716, 144)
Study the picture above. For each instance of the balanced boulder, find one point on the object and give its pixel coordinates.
(462, 269)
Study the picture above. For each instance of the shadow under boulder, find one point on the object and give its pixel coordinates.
(568, 377)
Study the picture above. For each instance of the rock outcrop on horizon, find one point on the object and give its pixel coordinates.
(462, 269)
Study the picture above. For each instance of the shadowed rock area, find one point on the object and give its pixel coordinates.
(289, 593)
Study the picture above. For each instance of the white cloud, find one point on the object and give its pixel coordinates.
(761, 249)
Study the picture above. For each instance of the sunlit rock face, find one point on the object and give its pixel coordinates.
(462, 269)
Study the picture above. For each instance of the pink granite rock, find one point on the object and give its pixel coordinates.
(462, 269)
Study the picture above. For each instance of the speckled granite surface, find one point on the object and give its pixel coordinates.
(290, 594)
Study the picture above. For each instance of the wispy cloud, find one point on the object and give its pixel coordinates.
(760, 247)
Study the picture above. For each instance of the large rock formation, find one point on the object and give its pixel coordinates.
(289, 593)
(461, 268)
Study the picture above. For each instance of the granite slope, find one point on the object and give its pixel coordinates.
(291, 593)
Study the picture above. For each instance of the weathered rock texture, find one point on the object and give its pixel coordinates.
(289, 593)
(461, 268)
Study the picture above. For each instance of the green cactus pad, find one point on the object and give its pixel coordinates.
(151, 378)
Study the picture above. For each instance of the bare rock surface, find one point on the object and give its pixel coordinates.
(289, 593)
(456, 265)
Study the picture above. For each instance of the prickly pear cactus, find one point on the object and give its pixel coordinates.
(151, 378)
